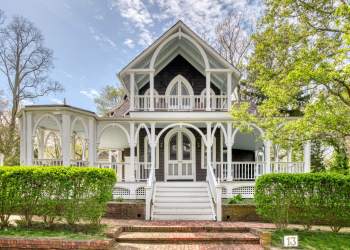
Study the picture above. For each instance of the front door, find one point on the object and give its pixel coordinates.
(179, 155)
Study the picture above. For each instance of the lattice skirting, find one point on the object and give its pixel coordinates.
(245, 189)
(133, 191)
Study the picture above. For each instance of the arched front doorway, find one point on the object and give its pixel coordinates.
(179, 155)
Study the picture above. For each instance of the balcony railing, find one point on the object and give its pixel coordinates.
(180, 103)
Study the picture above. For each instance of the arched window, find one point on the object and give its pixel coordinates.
(179, 93)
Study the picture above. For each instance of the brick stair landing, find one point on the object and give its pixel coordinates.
(181, 237)
(186, 237)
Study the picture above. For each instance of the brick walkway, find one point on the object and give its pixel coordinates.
(113, 223)
(127, 246)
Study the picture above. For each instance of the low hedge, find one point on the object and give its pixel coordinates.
(71, 193)
(308, 199)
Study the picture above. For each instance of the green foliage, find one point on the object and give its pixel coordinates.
(300, 66)
(109, 98)
(72, 193)
(308, 199)
(235, 199)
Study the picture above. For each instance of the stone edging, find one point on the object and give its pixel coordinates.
(53, 243)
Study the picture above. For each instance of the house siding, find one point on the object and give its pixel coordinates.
(179, 66)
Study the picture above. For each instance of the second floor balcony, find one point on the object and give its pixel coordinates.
(180, 103)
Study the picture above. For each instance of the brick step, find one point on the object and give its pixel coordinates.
(186, 237)
(180, 211)
(189, 229)
(182, 217)
(193, 246)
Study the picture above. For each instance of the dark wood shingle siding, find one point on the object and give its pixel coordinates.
(179, 66)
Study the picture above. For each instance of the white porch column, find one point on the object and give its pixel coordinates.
(92, 142)
(66, 138)
(289, 155)
(29, 139)
(151, 90)
(130, 170)
(229, 151)
(41, 142)
(267, 147)
(307, 157)
(153, 148)
(229, 90)
(22, 152)
(209, 145)
(207, 91)
(132, 91)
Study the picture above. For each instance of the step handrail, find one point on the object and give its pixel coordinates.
(215, 190)
(149, 193)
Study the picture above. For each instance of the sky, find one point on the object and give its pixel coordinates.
(93, 40)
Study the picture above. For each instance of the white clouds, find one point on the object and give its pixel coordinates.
(56, 101)
(26, 102)
(101, 38)
(129, 43)
(90, 93)
(147, 16)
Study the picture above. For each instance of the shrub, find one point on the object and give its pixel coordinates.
(304, 198)
(235, 199)
(73, 193)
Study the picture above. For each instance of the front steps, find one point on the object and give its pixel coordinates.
(186, 237)
(182, 201)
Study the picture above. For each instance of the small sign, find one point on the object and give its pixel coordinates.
(290, 241)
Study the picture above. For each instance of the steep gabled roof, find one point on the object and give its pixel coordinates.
(142, 60)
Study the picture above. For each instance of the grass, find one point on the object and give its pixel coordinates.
(314, 239)
(61, 231)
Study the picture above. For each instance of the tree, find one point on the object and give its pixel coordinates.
(25, 64)
(301, 50)
(109, 98)
(233, 42)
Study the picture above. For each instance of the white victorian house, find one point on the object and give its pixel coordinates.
(172, 141)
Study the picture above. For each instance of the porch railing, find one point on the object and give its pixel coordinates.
(142, 170)
(79, 163)
(250, 170)
(180, 103)
(287, 167)
(47, 162)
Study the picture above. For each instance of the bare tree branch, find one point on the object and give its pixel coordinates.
(25, 62)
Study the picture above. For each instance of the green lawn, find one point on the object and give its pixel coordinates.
(58, 231)
(315, 239)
